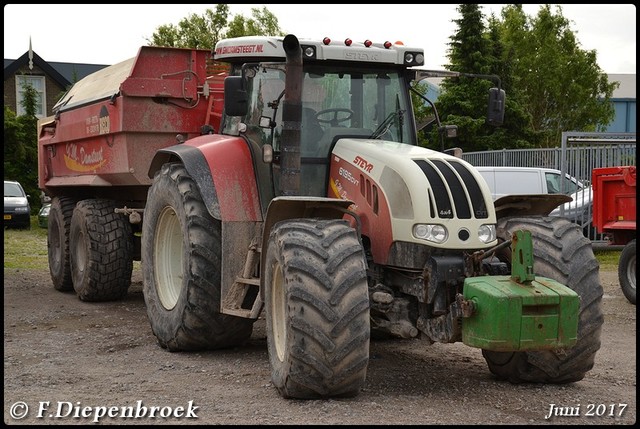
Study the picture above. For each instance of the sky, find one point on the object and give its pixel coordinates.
(111, 33)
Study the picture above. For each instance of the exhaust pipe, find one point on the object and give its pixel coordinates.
(291, 118)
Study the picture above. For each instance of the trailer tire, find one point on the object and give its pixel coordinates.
(627, 271)
(562, 253)
(181, 260)
(101, 247)
(316, 309)
(58, 227)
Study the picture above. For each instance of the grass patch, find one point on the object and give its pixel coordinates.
(608, 258)
(26, 248)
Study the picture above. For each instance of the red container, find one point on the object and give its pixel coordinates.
(108, 127)
(614, 202)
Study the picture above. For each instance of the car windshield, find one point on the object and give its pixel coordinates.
(12, 190)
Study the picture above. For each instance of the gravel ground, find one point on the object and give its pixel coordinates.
(68, 362)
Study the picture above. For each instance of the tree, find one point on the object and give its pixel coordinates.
(551, 84)
(463, 101)
(560, 85)
(204, 31)
(21, 146)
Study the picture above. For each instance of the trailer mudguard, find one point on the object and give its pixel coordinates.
(223, 169)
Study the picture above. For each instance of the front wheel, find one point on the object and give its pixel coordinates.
(562, 253)
(181, 260)
(627, 271)
(317, 309)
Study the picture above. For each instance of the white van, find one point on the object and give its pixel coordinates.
(526, 180)
(532, 180)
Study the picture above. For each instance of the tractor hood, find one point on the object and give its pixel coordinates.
(419, 186)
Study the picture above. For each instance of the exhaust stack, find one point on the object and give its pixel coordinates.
(292, 118)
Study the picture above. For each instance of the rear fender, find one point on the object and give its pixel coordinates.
(532, 204)
(223, 170)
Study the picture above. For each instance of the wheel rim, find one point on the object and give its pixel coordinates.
(80, 255)
(278, 311)
(167, 258)
(631, 272)
(55, 250)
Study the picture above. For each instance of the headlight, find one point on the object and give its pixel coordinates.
(22, 209)
(435, 233)
(487, 233)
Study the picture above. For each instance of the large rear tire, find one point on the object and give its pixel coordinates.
(627, 271)
(562, 253)
(181, 260)
(58, 227)
(101, 247)
(317, 309)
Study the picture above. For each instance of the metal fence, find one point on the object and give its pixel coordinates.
(578, 155)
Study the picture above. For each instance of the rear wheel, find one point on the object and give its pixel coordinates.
(58, 227)
(317, 309)
(101, 247)
(562, 253)
(627, 271)
(181, 260)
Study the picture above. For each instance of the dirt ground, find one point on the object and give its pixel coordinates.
(70, 362)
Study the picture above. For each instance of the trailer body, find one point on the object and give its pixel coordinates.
(614, 214)
(108, 127)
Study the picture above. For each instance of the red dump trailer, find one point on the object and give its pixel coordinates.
(95, 153)
(614, 214)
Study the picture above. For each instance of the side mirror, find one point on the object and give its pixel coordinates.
(235, 97)
(495, 111)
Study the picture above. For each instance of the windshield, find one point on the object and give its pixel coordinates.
(12, 190)
(554, 186)
(343, 101)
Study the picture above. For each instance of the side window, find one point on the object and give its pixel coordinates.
(37, 82)
(265, 100)
(553, 183)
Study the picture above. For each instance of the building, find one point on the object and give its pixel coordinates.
(50, 79)
(624, 103)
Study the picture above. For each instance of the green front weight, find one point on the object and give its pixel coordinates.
(519, 312)
(510, 316)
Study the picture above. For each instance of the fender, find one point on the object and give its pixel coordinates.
(529, 204)
(222, 168)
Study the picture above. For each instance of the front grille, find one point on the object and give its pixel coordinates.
(447, 195)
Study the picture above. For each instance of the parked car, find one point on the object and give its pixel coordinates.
(43, 215)
(527, 180)
(17, 210)
(533, 180)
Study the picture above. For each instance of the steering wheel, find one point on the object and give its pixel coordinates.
(335, 120)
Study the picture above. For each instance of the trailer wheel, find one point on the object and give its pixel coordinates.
(627, 271)
(181, 260)
(58, 227)
(101, 247)
(317, 309)
(562, 253)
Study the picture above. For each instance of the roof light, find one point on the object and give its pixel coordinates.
(309, 52)
(326, 40)
(348, 42)
(399, 42)
(387, 44)
(367, 43)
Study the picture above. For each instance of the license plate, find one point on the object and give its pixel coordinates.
(7, 217)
